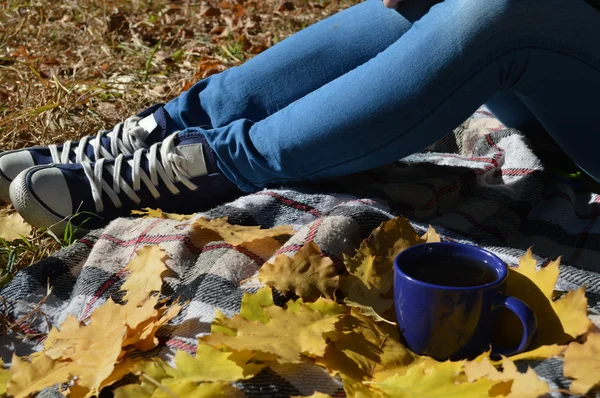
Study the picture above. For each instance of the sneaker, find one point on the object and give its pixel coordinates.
(178, 175)
(136, 132)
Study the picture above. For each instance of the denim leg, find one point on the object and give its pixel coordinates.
(513, 113)
(291, 69)
(426, 83)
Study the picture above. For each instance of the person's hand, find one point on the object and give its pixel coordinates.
(391, 3)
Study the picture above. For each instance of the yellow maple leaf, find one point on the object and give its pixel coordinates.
(308, 273)
(253, 305)
(264, 248)
(360, 348)
(211, 365)
(559, 321)
(158, 213)
(190, 389)
(582, 363)
(316, 394)
(431, 236)
(12, 225)
(542, 352)
(93, 352)
(147, 270)
(30, 377)
(324, 306)
(510, 382)
(371, 270)
(143, 337)
(287, 335)
(433, 380)
(219, 229)
(202, 375)
(79, 345)
(151, 372)
(4, 377)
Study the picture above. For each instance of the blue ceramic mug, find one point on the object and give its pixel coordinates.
(446, 297)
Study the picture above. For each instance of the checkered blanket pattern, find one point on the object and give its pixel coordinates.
(481, 185)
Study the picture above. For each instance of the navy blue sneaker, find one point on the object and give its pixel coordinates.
(177, 175)
(135, 132)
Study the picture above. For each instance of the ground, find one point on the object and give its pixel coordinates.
(71, 68)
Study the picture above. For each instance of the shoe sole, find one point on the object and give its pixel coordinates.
(5, 189)
(5, 183)
(31, 209)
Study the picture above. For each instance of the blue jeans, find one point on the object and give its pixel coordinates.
(371, 85)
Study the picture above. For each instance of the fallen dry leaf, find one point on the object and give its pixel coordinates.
(211, 365)
(287, 335)
(431, 236)
(158, 213)
(582, 363)
(197, 375)
(264, 248)
(308, 273)
(79, 345)
(511, 382)
(93, 352)
(219, 229)
(12, 225)
(360, 348)
(542, 352)
(432, 381)
(371, 268)
(150, 373)
(559, 321)
(29, 377)
(4, 377)
(146, 272)
(253, 305)
(315, 395)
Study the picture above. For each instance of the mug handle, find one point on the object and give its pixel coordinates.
(528, 320)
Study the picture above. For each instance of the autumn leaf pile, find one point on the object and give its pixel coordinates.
(339, 319)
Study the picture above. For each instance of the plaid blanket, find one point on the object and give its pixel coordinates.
(481, 185)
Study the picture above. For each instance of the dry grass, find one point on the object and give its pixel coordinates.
(70, 68)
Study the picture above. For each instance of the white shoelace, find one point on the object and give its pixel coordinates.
(131, 139)
(170, 168)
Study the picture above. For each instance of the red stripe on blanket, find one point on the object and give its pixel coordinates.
(291, 203)
(517, 172)
(86, 242)
(313, 230)
(179, 344)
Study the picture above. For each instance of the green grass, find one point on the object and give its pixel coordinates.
(24, 251)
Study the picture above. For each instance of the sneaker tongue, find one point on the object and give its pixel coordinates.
(155, 125)
(195, 165)
(149, 124)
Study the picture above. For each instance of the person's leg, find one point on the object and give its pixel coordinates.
(293, 68)
(513, 113)
(451, 61)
